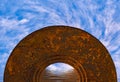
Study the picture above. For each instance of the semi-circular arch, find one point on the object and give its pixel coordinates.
(60, 44)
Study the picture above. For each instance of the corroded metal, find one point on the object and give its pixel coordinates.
(60, 44)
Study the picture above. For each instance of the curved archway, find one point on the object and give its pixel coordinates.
(59, 72)
(60, 44)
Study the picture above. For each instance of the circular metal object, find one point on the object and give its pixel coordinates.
(60, 44)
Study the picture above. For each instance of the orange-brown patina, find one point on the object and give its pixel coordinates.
(60, 44)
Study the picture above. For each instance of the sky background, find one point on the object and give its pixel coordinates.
(60, 68)
(18, 18)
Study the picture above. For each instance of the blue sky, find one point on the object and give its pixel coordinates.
(59, 68)
(18, 18)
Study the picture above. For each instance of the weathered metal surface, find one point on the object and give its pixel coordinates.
(60, 44)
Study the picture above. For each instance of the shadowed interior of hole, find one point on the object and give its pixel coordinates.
(59, 72)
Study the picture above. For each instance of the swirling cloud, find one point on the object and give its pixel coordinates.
(20, 18)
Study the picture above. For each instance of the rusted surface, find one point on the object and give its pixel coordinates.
(60, 44)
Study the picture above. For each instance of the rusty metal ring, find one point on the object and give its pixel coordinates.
(60, 44)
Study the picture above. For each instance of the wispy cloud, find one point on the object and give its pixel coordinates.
(117, 64)
(11, 33)
(18, 19)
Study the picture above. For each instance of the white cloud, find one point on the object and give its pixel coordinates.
(39, 8)
(9, 40)
(117, 64)
(52, 68)
(4, 22)
(59, 68)
(110, 40)
(23, 21)
(81, 17)
(3, 58)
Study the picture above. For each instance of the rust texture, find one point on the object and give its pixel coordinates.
(60, 44)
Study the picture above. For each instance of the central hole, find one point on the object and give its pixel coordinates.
(59, 72)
